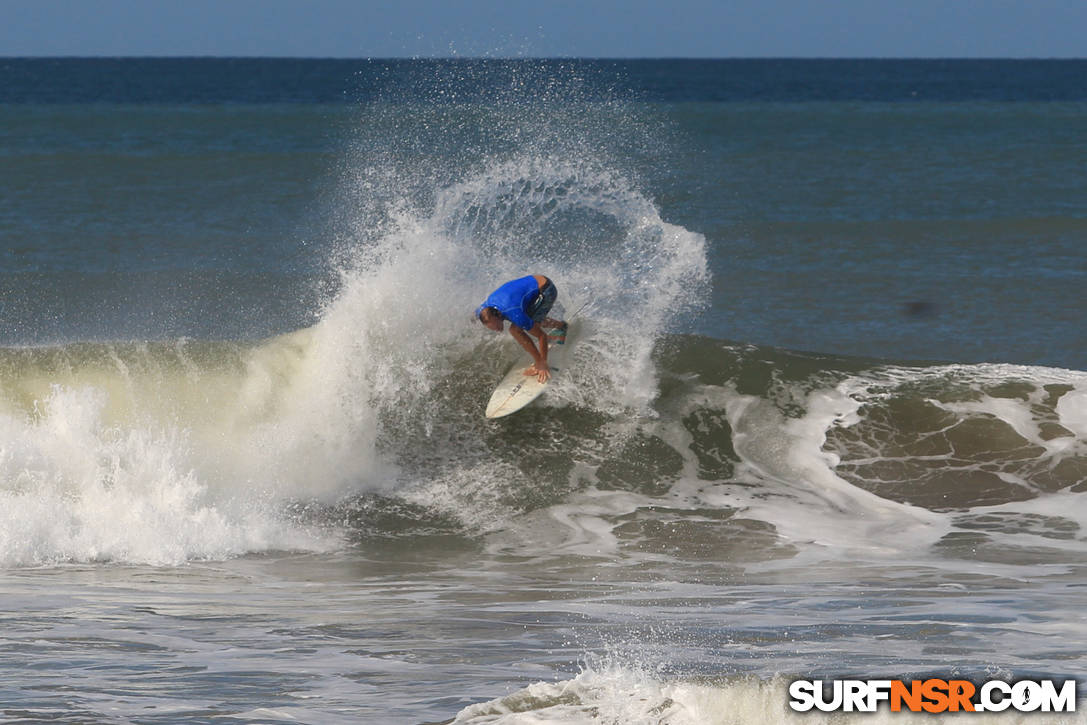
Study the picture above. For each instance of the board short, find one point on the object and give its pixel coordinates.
(538, 308)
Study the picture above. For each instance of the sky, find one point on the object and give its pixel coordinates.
(546, 28)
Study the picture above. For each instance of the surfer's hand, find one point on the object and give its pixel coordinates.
(542, 372)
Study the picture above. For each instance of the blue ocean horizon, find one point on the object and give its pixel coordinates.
(341, 80)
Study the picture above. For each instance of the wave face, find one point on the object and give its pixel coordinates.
(756, 455)
(165, 452)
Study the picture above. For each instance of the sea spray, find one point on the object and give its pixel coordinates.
(426, 366)
(462, 196)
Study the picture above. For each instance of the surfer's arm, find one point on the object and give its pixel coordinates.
(540, 367)
(539, 334)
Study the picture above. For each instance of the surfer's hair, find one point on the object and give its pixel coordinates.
(486, 313)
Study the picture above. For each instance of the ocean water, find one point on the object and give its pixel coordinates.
(825, 414)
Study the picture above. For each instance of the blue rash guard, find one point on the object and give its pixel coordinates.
(513, 299)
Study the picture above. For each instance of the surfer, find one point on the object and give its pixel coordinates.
(525, 302)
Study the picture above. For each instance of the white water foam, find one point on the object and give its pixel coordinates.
(628, 695)
(78, 489)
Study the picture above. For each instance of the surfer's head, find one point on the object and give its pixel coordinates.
(490, 317)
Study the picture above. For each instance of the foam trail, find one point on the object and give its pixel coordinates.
(789, 454)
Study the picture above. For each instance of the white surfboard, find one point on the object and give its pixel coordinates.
(517, 389)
